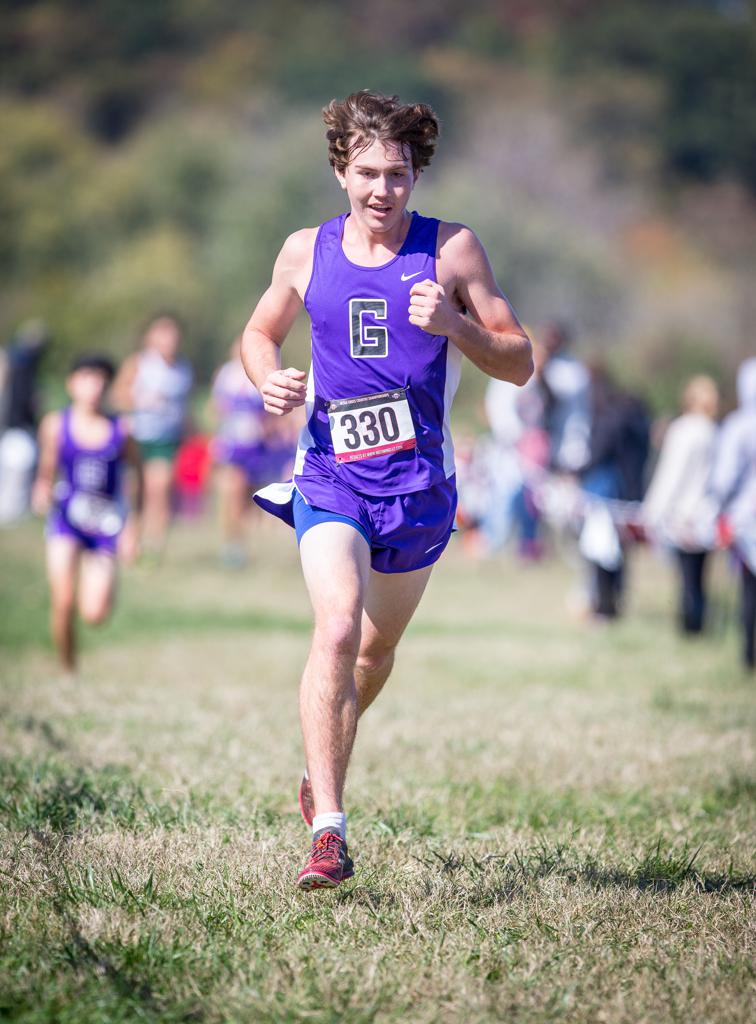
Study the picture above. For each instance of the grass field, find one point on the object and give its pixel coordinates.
(551, 822)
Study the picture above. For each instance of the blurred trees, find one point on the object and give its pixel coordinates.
(115, 61)
(701, 56)
(157, 154)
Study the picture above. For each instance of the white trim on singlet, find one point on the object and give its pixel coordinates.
(277, 493)
(451, 383)
(305, 442)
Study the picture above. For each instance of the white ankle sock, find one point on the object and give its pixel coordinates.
(332, 821)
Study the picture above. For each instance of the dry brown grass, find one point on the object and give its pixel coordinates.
(550, 822)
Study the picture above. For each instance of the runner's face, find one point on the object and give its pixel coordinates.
(379, 181)
(87, 388)
(164, 336)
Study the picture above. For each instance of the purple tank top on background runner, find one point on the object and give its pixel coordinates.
(363, 344)
(87, 495)
(241, 411)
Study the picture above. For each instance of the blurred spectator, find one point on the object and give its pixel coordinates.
(566, 386)
(476, 490)
(677, 509)
(154, 386)
(19, 405)
(733, 485)
(618, 449)
(19, 417)
(192, 471)
(517, 457)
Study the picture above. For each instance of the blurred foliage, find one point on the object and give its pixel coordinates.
(156, 155)
(702, 57)
(660, 374)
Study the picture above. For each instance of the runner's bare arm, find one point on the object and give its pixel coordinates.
(282, 390)
(122, 390)
(490, 336)
(128, 542)
(49, 445)
(133, 457)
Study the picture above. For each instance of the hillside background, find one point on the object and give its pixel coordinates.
(155, 155)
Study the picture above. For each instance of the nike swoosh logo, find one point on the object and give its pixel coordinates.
(433, 547)
(406, 277)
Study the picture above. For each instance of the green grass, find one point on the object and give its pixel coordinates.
(551, 822)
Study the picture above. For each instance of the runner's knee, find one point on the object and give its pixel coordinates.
(157, 480)
(62, 598)
(378, 655)
(94, 613)
(338, 634)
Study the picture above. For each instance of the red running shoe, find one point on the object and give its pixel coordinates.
(306, 801)
(328, 865)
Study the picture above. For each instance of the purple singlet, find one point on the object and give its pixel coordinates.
(240, 408)
(378, 405)
(242, 439)
(87, 496)
(363, 344)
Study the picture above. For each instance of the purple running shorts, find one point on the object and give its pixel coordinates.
(405, 531)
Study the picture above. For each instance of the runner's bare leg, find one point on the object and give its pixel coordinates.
(336, 566)
(156, 509)
(390, 602)
(232, 492)
(97, 576)
(62, 568)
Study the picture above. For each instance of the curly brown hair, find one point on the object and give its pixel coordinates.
(353, 123)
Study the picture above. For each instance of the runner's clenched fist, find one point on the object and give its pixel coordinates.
(430, 309)
(284, 390)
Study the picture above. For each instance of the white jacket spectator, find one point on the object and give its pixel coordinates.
(568, 381)
(677, 509)
(733, 481)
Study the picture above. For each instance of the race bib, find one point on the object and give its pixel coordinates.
(362, 428)
(91, 513)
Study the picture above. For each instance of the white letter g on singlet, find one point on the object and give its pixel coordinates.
(369, 341)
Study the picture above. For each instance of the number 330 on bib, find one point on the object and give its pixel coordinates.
(371, 425)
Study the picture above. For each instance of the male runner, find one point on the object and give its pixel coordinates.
(395, 299)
